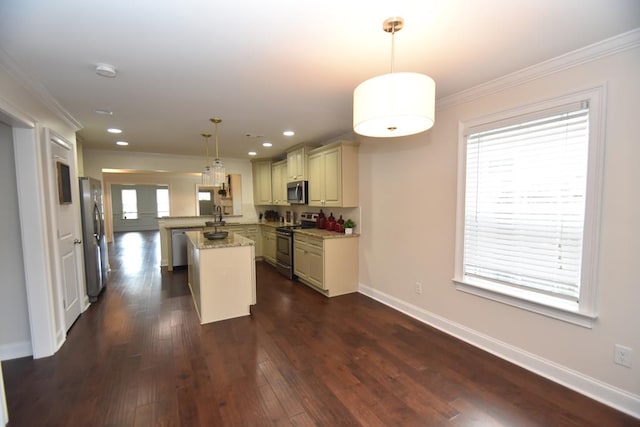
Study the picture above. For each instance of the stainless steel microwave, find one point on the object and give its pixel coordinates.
(297, 192)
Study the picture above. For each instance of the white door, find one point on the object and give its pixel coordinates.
(68, 236)
(4, 415)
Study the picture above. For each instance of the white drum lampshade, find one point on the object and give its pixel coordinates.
(393, 105)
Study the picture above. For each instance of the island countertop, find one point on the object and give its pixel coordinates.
(232, 240)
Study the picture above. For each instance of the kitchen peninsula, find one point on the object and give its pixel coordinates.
(222, 276)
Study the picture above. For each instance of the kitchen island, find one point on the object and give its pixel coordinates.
(222, 276)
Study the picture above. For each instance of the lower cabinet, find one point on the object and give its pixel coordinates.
(328, 265)
(252, 232)
(308, 260)
(249, 231)
(269, 244)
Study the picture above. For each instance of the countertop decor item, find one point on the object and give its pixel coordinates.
(348, 226)
(216, 235)
(394, 104)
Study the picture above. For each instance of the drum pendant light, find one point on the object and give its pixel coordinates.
(394, 104)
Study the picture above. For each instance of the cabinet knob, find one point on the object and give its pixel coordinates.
(77, 241)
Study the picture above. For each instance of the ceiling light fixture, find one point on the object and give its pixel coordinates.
(394, 104)
(219, 174)
(288, 133)
(123, 143)
(106, 70)
(103, 112)
(267, 144)
(252, 153)
(114, 130)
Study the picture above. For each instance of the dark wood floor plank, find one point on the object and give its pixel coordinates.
(139, 357)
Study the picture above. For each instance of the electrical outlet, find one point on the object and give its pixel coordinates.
(622, 355)
(418, 288)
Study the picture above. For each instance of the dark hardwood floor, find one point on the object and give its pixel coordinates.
(139, 357)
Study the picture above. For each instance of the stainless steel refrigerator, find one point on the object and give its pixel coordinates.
(96, 264)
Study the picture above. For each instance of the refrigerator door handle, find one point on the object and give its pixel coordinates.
(97, 222)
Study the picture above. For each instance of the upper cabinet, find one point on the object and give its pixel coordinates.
(333, 175)
(279, 183)
(297, 165)
(262, 182)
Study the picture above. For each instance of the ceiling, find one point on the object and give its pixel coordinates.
(269, 66)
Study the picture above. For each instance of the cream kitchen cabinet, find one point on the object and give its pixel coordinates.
(308, 260)
(328, 265)
(269, 244)
(297, 164)
(279, 183)
(333, 175)
(262, 182)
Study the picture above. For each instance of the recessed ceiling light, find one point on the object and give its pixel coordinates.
(267, 144)
(106, 70)
(123, 143)
(104, 112)
(252, 153)
(114, 130)
(288, 133)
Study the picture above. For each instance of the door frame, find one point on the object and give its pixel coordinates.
(32, 211)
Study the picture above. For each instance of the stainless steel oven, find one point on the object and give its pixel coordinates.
(284, 243)
(284, 251)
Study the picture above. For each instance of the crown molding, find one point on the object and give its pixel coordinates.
(593, 52)
(37, 89)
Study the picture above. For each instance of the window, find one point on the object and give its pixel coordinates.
(527, 218)
(129, 204)
(162, 201)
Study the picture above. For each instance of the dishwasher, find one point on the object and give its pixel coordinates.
(179, 246)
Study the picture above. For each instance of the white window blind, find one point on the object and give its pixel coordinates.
(525, 202)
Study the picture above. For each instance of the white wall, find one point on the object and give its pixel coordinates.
(15, 337)
(408, 198)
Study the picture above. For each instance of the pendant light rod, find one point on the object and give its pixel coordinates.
(216, 121)
(393, 25)
(206, 137)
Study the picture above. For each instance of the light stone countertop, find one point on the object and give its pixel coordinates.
(227, 224)
(232, 240)
(324, 234)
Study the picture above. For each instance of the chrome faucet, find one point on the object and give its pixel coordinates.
(219, 210)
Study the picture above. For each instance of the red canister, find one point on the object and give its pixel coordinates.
(321, 222)
(331, 222)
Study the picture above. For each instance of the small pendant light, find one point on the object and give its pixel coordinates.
(207, 173)
(219, 174)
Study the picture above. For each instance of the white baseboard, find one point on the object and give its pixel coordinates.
(15, 350)
(617, 398)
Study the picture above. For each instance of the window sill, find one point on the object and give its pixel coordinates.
(560, 311)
